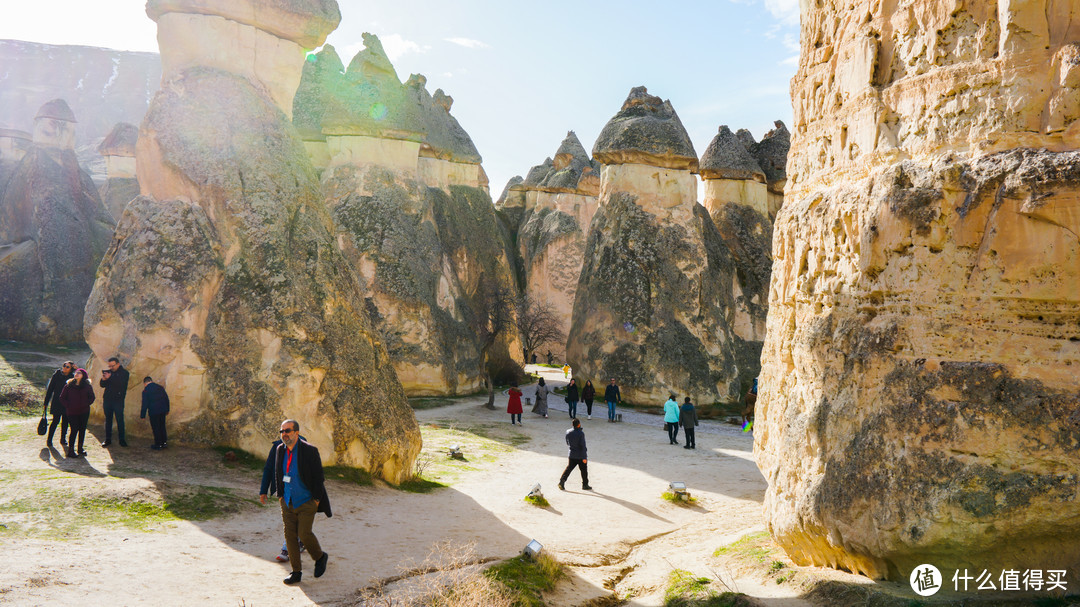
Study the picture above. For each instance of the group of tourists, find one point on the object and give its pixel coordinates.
(586, 394)
(70, 394)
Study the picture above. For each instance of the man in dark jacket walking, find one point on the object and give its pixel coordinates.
(579, 456)
(267, 487)
(688, 419)
(115, 381)
(302, 493)
(52, 401)
(612, 396)
(155, 402)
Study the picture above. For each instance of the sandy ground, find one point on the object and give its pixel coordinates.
(622, 534)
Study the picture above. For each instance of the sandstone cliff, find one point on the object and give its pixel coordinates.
(224, 282)
(53, 233)
(118, 149)
(654, 301)
(918, 393)
(559, 199)
(411, 210)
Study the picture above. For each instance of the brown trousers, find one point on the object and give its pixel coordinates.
(297, 523)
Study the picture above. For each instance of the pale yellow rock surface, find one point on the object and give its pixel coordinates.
(919, 394)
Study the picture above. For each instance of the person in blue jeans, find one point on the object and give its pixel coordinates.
(612, 396)
(572, 398)
(671, 419)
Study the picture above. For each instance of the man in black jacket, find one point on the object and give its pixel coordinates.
(52, 401)
(115, 381)
(155, 401)
(267, 487)
(612, 396)
(301, 493)
(579, 456)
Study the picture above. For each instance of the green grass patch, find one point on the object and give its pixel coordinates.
(240, 458)
(421, 485)
(675, 498)
(422, 404)
(347, 474)
(684, 589)
(754, 546)
(527, 578)
(537, 500)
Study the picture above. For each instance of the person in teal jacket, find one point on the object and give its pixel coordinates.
(671, 419)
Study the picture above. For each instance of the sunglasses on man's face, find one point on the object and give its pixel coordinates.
(286, 431)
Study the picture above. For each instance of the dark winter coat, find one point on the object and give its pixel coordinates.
(513, 405)
(115, 386)
(77, 398)
(310, 471)
(155, 400)
(52, 393)
(572, 393)
(611, 394)
(688, 415)
(267, 486)
(575, 439)
(588, 393)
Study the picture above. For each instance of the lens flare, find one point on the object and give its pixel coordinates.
(377, 111)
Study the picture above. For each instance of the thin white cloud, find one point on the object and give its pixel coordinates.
(396, 46)
(791, 61)
(468, 42)
(787, 11)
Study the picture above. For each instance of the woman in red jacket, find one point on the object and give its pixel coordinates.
(513, 406)
(76, 398)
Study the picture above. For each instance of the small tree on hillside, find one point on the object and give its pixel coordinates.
(537, 323)
(492, 315)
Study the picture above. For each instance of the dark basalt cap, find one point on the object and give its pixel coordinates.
(727, 158)
(120, 141)
(515, 181)
(57, 109)
(646, 131)
(538, 174)
(772, 151)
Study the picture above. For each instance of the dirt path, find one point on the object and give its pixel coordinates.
(621, 534)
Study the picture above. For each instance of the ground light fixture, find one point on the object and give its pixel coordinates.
(532, 549)
(535, 492)
(455, 452)
(679, 489)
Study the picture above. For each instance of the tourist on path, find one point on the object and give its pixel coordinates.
(688, 419)
(513, 406)
(579, 456)
(588, 394)
(155, 403)
(612, 396)
(115, 381)
(671, 419)
(572, 398)
(301, 493)
(541, 398)
(52, 401)
(267, 487)
(76, 397)
(566, 371)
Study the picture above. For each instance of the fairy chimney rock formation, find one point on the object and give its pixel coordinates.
(224, 283)
(654, 298)
(731, 174)
(121, 185)
(264, 41)
(771, 155)
(560, 199)
(918, 393)
(53, 232)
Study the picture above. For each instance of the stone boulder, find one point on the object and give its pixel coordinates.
(53, 233)
(225, 284)
(918, 395)
(654, 303)
(121, 185)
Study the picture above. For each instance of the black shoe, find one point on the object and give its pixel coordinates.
(562, 487)
(63, 443)
(71, 453)
(586, 487)
(294, 578)
(157, 447)
(320, 565)
(123, 443)
(106, 443)
(687, 447)
(82, 453)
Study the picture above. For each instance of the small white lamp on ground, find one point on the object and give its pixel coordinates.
(532, 549)
(455, 452)
(535, 492)
(679, 489)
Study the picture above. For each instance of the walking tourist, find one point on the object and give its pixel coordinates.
(155, 403)
(671, 419)
(541, 398)
(76, 397)
(301, 493)
(115, 381)
(268, 487)
(52, 402)
(513, 406)
(688, 419)
(588, 394)
(612, 396)
(578, 456)
(572, 397)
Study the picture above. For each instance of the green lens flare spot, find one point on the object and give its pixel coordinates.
(377, 111)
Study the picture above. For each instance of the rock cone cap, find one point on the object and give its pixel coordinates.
(646, 131)
(727, 158)
(56, 109)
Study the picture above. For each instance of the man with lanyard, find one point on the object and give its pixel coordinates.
(301, 491)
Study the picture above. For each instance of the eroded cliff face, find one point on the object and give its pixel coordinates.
(224, 282)
(918, 394)
(654, 302)
(411, 212)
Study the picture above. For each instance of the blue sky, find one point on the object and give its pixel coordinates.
(523, 73)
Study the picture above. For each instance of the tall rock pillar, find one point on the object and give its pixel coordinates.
(919, 396)
(654, 304)
(224, 282)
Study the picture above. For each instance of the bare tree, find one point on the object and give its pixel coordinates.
(492, 316)
(537, 323)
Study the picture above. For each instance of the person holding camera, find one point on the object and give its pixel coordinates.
(115, 381)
